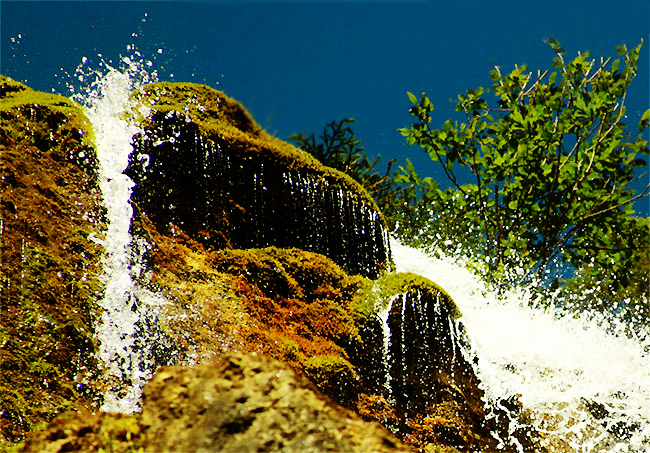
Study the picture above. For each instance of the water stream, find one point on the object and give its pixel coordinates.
(125, 303)
(585, 389)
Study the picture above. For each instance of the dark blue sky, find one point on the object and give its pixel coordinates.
(296, 65)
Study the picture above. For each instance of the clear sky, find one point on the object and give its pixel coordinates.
(297, 65)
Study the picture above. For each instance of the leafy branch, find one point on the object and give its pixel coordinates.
(550, 158)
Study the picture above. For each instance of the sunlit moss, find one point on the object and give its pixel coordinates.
(290, 304)
(203, 164)
(52, 123)
(334, 375)
(49, 284)
(220, 117)
(86, 431)
(376, 295)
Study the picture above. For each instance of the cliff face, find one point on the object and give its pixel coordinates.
(49, 268)
(205, 166)
(256, 249)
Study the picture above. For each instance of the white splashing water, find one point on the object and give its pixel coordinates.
(556, 365)
(106, 100)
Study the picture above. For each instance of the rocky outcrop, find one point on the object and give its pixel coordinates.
(250, 403)
(414, 359)
(243, 402)
(205, 166)
(49, 268)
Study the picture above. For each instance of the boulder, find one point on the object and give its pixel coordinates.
(414, 359)
(250, 403)
(204, 165)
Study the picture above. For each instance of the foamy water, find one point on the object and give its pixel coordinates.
(557, 366)
(106, 99)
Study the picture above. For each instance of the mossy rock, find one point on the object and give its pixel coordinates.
(52, 123)
(49, 207)
(378, 293)
(219, 117)
(335, 376)
(412, 355)
(204, 165)
(50, 272)
(304, 301)
(88, 431)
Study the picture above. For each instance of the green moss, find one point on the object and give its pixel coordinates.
(375, 295)
(222, 119)
(303, 301)
(213, 172)
(52, 123)
(86, 431)
(289, 349)
(49, 285)
(334, 375)
(289, 273)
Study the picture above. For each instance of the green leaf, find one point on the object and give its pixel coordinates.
(555, 45)
(412, 97)
(410, 140)
(645, 121)
(410, 167)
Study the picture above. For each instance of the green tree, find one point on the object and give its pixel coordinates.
(339, 148)
(550, 164)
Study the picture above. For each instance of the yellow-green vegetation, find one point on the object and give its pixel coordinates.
(222, 119)
(304, 300)
(204, 165)
(49, 282)
(445, 423)
(376, 295)
(86, 431)
(290, 304)
(52, 123)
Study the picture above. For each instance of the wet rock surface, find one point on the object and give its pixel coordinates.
(205, 166)
(415, 371)
(50, 210)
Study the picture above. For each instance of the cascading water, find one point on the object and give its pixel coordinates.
(125, 303)
(585, 389)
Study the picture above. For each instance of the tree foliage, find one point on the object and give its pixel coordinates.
(538, 176)
(339, 148)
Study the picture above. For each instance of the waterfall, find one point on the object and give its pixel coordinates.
(585, 389)
(126, 305)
